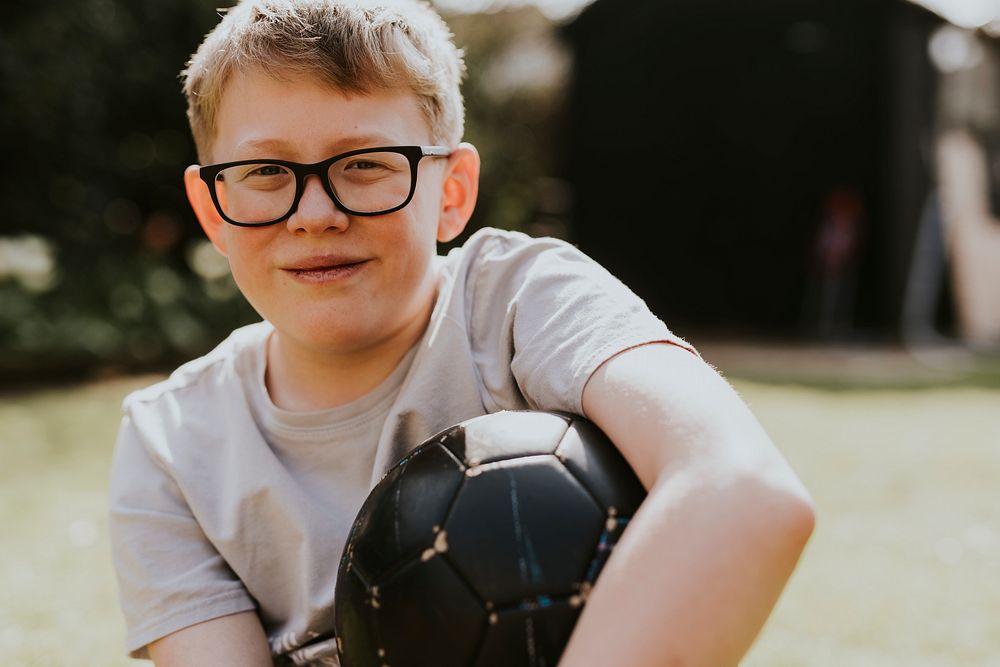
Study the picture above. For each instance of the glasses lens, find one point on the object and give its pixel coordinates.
(255, 193)
(371, 182)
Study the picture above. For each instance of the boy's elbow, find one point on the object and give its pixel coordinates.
(792, 517)
(787, 505)
(801, 520)
(775, 505)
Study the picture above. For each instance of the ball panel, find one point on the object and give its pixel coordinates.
(409, 507)
(356, 630)
(531, 636)
(596, 462)
(505, 435)
(428, 616)
(522, 528)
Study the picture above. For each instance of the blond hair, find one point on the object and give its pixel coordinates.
(356, 46)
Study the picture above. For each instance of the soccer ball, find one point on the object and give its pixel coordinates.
(479, 547)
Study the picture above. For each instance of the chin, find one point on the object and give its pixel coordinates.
(335, 341)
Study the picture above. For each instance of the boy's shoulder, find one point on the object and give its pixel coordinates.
(492, 246)
(492, 239)
(227, 359)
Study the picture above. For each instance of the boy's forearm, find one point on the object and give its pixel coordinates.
(703, 562)
(694, 577)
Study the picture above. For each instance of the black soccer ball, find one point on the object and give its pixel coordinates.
(480, 546)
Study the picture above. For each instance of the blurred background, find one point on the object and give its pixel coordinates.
(789, 170)
(808, 190)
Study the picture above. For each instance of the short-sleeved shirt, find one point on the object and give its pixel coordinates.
(221, 502)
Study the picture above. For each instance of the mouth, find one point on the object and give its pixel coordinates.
(325, 269)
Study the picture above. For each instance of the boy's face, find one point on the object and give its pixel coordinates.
(326, 280)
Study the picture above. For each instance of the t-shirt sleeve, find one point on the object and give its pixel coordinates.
(169, 574)
(553, 315)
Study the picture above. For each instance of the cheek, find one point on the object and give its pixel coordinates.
(413, 245)
(245, 262)
(426, 228)
(421, 244)
(237, 264)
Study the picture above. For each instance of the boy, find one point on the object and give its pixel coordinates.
(332, 133)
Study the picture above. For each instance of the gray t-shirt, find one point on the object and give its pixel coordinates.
(221, 502)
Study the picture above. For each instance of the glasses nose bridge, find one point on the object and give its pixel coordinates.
(319, 170)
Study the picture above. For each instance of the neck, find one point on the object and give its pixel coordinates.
(303, 378)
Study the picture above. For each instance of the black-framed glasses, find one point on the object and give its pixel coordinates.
(367, 181)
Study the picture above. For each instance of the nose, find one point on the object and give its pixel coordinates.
(316, 212)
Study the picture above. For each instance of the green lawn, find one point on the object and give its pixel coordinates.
(904, 568)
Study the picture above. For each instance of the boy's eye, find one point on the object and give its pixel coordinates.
(364, 165)
(257, 176)
(266, 170)
(369, 169)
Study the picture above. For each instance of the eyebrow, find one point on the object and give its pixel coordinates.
(262, 147)
(255, 145)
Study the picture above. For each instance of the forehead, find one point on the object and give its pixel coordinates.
(299, 117)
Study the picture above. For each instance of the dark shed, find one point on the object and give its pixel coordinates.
(712, 142)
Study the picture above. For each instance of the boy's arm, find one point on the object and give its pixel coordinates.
(704, 560)
(237, 640)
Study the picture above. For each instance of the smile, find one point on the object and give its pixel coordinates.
(316, 272)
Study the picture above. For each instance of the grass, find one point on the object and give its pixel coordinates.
(904, 568)
(59, 602)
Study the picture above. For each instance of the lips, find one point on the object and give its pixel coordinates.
(323, 263)
(325, 268)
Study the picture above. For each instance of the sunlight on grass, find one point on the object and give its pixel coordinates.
(904, 567)
(59, 604)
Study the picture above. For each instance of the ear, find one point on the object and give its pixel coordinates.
(460, 191)
(204, 209)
